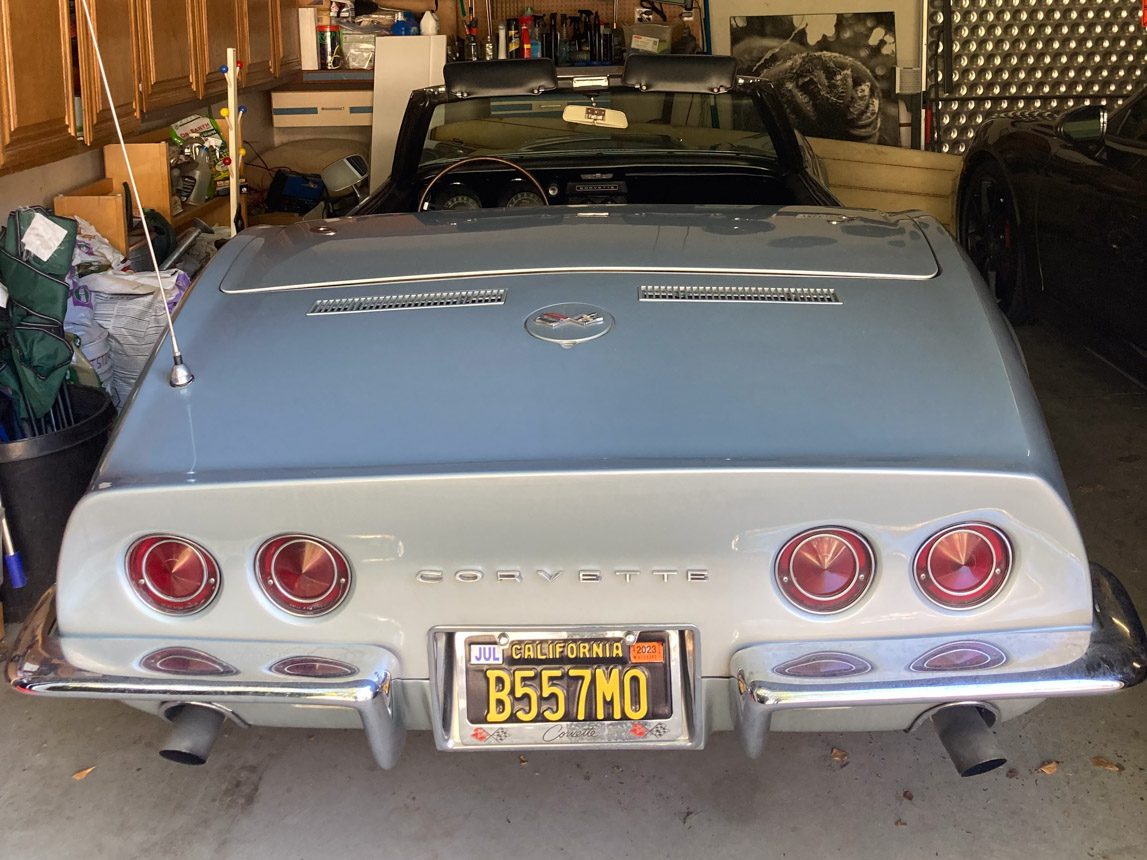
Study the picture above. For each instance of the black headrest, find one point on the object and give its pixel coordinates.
(680, 73)
(499, 78)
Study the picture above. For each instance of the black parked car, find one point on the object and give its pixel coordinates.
(667, 129)
(1053, 211)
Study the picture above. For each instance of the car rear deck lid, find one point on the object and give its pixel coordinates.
(758, 242)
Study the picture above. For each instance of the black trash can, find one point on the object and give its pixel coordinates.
(41, 479)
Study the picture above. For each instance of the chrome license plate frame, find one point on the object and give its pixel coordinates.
(453, 729)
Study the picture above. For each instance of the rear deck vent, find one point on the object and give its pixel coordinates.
(408, 302)
(789, 295)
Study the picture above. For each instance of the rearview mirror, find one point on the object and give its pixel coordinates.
(1084, 124)
(590, 115)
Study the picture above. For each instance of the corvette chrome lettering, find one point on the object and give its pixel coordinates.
(470, 575)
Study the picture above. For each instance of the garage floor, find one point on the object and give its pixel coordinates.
(291, 794)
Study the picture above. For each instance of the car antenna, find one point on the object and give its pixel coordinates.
(180, 375)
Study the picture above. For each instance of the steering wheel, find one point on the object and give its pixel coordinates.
(465, 162)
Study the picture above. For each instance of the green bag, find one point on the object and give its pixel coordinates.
(35, 254)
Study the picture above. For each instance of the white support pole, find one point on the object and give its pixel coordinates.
(235, 122)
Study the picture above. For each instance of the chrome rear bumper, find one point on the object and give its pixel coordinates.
(38, 667)
(1116, 657)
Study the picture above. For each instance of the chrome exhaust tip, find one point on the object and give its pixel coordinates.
(194, 729)
(965, 731)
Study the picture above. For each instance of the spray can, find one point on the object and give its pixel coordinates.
(501, 40)
(524, 25)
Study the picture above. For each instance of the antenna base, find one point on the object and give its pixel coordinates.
(180, 376)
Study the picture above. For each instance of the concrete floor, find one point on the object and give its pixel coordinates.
(294, 794)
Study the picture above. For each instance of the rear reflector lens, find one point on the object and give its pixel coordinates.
(313, 667)
(303, 575)
(185, 661)
(960, 656)
(824, 570)
(963, 566)
(825, 664)
(171, 574)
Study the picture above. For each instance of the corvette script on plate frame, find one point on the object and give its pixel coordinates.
(585, 686)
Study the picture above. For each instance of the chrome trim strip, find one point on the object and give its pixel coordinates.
(1115, 658)
(38, 667)
(579, 270)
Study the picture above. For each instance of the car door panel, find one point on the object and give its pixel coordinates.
(1093, 233)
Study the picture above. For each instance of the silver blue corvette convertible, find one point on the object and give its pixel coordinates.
(603, 474)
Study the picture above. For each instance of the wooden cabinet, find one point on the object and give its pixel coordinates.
(118, 43)
(37, 115)
(160, 56)
(261, 37)
(288, 52)
(169, 71)
(220, 28)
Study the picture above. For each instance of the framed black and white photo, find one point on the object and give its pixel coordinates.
(835, 73)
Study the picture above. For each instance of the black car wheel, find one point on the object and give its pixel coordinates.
(990, 233)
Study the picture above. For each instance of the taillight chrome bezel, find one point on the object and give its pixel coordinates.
(280, 595)
(844, 599)
(152, 595)
(1003, 559)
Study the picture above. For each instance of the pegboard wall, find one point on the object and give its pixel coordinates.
(610, 10)
(989, 56)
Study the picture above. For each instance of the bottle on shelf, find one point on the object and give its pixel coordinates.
(524, 24)
(514, 47)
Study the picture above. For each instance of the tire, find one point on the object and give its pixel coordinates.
(989, 232)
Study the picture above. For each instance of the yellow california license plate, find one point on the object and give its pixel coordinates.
(579, 687)
(557, 680)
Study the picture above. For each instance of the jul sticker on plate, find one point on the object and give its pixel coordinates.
(485, 655)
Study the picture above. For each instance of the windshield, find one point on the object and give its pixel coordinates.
(655, 122)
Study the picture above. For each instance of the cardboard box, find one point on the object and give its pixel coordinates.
(303, 108)
(101, 204)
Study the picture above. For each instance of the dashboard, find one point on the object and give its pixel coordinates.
(500, 188)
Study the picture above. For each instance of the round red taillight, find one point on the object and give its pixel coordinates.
(172, 574)
(302, 575)
(963, 566)
(825, 570)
